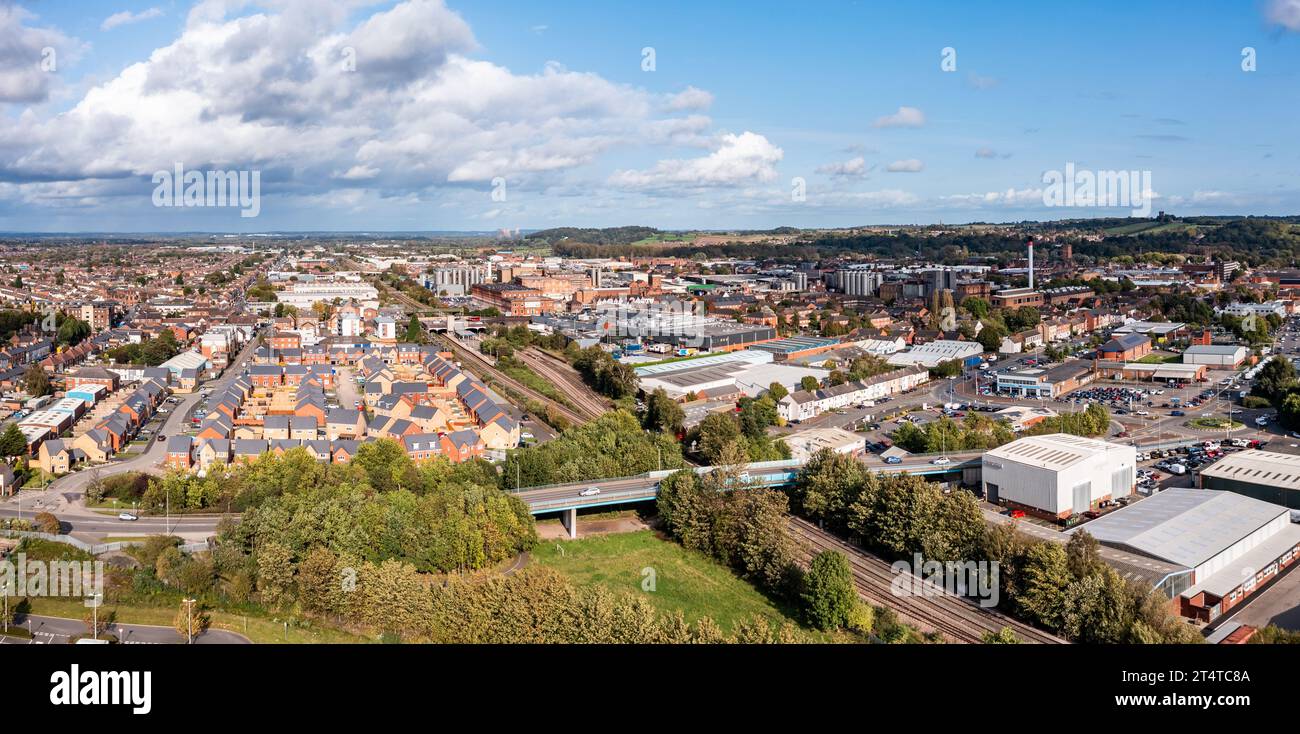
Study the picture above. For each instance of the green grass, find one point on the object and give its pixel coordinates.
(684, 581)
(1161, 358)
(1215, 423)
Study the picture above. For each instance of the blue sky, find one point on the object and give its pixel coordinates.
(496, 114)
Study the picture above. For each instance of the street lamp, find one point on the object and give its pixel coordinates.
(189, 619)
(4, 591)
(94, 603)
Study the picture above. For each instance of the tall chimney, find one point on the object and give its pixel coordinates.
(1031, 265)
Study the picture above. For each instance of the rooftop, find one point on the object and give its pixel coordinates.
(1053, 451)
(1184, 526)
(1258, 467)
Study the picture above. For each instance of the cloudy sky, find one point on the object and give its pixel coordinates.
(490, 114)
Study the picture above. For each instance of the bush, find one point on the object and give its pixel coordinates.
(48, 523)
(1255, 402)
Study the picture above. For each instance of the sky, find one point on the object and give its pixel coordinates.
(433, 115)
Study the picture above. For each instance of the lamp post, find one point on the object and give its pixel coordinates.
(93, 602)
(189, 620)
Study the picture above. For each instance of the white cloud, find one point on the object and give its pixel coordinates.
(905, 117)
(738, 159)
(910, 165)
(276, 91)
(986, 152)
(23, 50)
(690, 99)
(856, 166)
(1285, 13)
(981, 82)
(126, 17)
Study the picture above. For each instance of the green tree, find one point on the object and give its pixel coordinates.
(12, 441)
(35, 382)
(828, 593)
(809, 383)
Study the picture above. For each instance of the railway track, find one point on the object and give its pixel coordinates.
(956, 618)
(565, 377)
(486, 368)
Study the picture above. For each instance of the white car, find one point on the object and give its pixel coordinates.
(126, 516)
(941, 461)
(589, 492)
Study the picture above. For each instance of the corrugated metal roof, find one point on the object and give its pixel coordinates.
(1182, 525)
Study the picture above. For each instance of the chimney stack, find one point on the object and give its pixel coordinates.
(1031, 264)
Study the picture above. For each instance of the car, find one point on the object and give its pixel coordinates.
(1177, 413)
(127, 516)
(161, 437)
(941, 461)
(893, 460)
(589, 492)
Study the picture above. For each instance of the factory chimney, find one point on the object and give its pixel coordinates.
(1031, 265)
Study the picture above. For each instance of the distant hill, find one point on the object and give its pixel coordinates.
(591, 236)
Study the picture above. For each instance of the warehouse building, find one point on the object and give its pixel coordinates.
(1223, 546)
(1268, 476)
(1216, 356)
(1058, 474)
(931, 354)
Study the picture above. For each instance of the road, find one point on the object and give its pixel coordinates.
(60, 631)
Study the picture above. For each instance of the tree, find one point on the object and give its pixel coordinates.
(714, 433)
(1004, 636)
(1273, 380)
(415, 331)
(191, 620)
(662, 413)
(809, 383)
(828, 593)
(12, 441)
(72, 331)
(275, 573)
(777, 391)
(47, 523)
(97, 620)
(35, 382)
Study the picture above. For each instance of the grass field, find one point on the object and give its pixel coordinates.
(1158, 358)
(684, 581)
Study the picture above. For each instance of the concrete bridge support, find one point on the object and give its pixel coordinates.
(569, 519)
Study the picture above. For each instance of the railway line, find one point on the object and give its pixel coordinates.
(565, 377)
(956, 618)
(469, 357)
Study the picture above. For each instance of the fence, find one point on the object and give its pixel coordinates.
(95, 549)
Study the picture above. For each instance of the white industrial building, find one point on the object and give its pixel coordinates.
(1216, 356)
(931, 354)
(1222, 545)
(1058, 474)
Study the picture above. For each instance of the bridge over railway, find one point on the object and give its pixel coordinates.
(567, 499)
